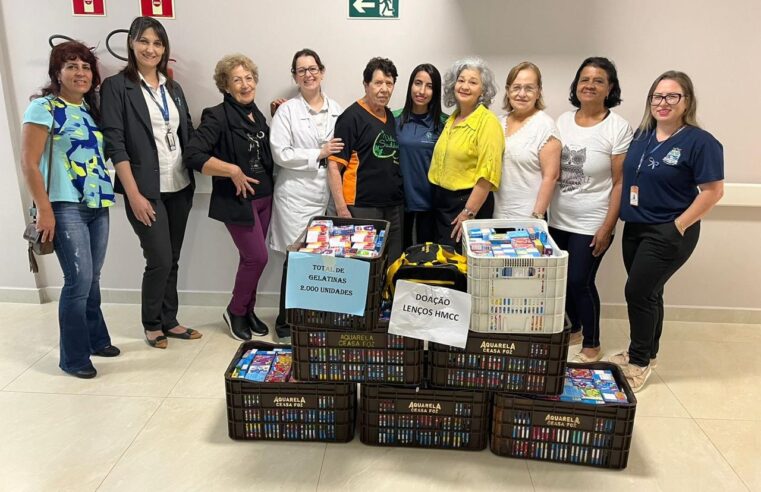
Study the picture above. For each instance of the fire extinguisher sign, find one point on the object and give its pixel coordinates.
(157, 8)
(88, 7)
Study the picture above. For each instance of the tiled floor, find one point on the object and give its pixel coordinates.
(156, 420)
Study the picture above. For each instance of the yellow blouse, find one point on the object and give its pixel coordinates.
(468, 151)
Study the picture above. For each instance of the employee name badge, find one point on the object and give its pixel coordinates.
(634, 196)
(170, 140)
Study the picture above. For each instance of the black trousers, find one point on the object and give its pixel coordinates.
(161, 243)
(419, 228)
(395, 216)
(652, 254)
(447, 205)
(582, 301)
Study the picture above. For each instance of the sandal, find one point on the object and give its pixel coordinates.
(582, 358)
(160, 342)
(188, 334)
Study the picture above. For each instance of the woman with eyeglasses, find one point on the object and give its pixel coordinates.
(586, 203)
(301, 139)
(147, 125)
(673, 176)
(418, 126)
(232, 145)
(531, 161)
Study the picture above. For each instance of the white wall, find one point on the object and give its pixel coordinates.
(717, 45)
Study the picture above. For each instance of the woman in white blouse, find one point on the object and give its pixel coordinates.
(301, 138)
(531, 162)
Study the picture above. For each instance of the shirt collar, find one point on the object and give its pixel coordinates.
(474, 117)
(162, 79)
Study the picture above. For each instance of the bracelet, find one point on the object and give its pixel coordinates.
(679, 227)
(537, 215)
(471, 214)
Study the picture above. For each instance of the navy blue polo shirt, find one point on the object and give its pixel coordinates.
(670, 173)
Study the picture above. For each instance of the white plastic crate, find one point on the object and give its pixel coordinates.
(516, 295)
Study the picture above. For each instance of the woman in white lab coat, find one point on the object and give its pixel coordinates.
(301, 138)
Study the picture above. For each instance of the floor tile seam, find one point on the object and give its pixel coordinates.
(530, 476)
(322, 466)
(27, 369)
(185, 371)
(681, 404)
(132, 442)
(718, 450)
(65, 393)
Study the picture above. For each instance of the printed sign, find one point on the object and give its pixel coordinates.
(373, 9)
(157, 8)
(425, 312)
(326, 283)
(88, 7)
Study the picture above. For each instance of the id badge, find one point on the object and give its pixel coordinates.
(170, 141)
(634, 196)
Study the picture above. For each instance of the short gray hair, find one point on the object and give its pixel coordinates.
(473, 63)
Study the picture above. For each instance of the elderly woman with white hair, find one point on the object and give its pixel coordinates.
(467, 160)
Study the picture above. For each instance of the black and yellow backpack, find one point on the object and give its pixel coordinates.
(429, 263)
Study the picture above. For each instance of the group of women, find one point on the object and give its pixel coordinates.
(580, 173)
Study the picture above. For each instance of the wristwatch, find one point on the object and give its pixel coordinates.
(537, 215)
(471, 214)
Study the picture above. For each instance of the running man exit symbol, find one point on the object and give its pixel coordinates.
(373, 9)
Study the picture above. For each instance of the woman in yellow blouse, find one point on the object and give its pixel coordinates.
(467, 159)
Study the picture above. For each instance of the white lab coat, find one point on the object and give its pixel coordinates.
(301, 186)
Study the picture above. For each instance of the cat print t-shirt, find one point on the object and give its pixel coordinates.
(521, 170)
(582, 194)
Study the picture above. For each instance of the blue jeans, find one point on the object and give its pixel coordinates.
(81, 236)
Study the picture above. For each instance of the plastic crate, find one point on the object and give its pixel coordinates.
(596, 435)
(335, 355)
(516, 295)
(292, 411)
(423, 418)
(376, 278)
(524, 363)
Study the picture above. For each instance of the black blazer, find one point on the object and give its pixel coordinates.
(128, 135)
(213, 138)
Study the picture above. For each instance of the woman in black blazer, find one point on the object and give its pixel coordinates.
(232, 145)
(146, 126)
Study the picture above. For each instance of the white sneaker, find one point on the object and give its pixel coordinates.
(637, 376)
(621, 359)
(577, 338)
(582, 358)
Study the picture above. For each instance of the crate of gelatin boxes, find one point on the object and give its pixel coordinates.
(516, 276)
(325, 355)
(590, 423)
(358, 239)
(518, 363)
(423, 417)
(264, 401)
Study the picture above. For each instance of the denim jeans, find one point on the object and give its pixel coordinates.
(81, 236)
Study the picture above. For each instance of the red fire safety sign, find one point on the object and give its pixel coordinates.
(157, 8)
(89, 7)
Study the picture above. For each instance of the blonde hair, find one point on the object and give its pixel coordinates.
(513, 74)
(690, 114)
(227, 64)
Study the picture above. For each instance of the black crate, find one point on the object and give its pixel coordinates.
(526, 426)
(423, 417)
(519, 363)
(298, 411)
(336, 355)
(376, 278)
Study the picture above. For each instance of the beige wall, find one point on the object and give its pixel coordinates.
(717, 44)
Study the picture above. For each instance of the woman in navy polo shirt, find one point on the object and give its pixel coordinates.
(673, 176)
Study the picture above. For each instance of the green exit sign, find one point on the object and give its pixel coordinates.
(373, 9)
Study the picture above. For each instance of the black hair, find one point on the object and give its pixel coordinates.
(434, 107)
(306, 52)
(383, 64)
(136, 29)
(614, 97)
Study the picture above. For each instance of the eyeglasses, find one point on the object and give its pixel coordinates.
(672, 98)
(300, 72)
(528, 89)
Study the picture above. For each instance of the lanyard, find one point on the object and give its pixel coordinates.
(165, 108)
(645, 153)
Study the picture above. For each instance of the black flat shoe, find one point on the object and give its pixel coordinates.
(108, 351)
(257, 326)
(283, 332)
(87, 373)
(239, 327)
(188, 334)
(160, 342)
